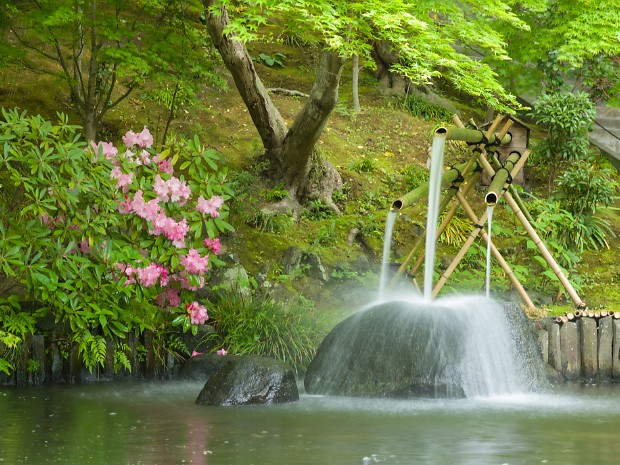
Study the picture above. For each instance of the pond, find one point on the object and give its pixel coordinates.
(159, 424)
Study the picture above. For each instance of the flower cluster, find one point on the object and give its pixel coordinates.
(149, 190)
(197, 313)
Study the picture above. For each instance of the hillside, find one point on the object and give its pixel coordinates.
(381, 154)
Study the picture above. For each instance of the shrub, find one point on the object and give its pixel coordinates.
(567, 118)
(91, 232)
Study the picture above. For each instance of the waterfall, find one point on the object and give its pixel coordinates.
(489, 245)
(439, 142)
(387, 245)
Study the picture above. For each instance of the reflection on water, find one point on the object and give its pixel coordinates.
(153, 424)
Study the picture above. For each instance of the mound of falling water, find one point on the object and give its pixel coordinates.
(465, 346)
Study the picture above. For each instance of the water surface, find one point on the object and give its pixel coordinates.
(151, 424)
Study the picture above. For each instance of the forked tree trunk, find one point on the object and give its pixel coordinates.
(290, 150)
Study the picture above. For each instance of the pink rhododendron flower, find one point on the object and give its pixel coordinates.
(173, 189)
(107, 149)
(116, 173)
(148, 210)
(160, 187)
(211, 206)
(169, 297)
(214, 245)
(193, 262)
(148, 276)
(144, 138)
(165, 166)
(221, 352)
(197, 313)
(130, 139)
(125, 207)
(174, 231)
(145, 157)
(195, 354)
(124, 181)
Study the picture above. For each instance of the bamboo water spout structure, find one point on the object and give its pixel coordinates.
(461, 178)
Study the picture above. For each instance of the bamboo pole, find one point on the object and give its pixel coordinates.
(475, 136)
(514, 192)
(459, 256)
(450, 176)
(537, 240)
(501, 179)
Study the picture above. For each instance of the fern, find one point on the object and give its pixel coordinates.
(121, 361)
(9, 340)
(92, 349)
(5, 367)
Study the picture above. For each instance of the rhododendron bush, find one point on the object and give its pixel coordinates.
(105, 237)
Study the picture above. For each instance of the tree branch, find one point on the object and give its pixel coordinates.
(266, 118)
(289, 92)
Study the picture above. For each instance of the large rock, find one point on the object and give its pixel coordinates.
(248, 380)
(457, 347)
(384, 351)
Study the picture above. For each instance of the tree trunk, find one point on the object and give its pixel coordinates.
(355, 80)
(290, 150)
(90, 125)
(264, 114)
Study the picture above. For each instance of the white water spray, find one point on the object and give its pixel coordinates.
(489, 244)
(439, 142)
(387, 245)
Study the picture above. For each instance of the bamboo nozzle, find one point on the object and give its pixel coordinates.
(500, 179)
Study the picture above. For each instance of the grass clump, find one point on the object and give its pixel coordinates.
(257, 324)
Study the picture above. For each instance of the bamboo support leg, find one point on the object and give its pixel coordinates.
(496, 253)
(542, 248)
(444, 224)
(459, 256)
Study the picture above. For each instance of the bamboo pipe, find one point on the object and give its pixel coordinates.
(450, 176)
(502, 176)
(514, 192)
(537, 240)
(475, 136)
(496, 253)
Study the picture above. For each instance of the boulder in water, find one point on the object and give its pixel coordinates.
(454, 347)
(394, 349)
(249, 380)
